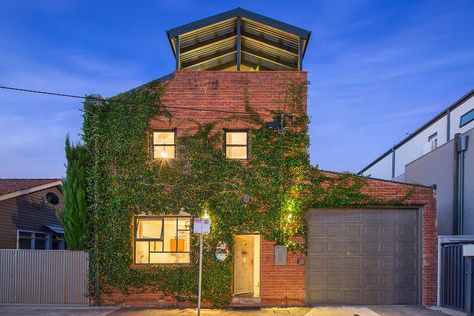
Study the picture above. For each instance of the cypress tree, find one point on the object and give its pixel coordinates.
(74, 217)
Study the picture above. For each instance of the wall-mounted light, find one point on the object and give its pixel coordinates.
(273, 125)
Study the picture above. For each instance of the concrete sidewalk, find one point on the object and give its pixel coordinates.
(294, 311)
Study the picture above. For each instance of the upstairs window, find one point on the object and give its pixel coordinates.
(162, 239)
(466, 118)
(236, 144)
(164, 144)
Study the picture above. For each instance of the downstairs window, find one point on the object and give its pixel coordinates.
(162, 239)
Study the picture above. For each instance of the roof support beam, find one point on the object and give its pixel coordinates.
(278, 45)
(214, 40)
(255, 54)
(239, 53)
(209, 58)
(300, 53)
(178, 49)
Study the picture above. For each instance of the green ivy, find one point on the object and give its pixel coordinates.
(122, 181)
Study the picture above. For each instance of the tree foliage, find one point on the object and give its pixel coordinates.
(74, 218)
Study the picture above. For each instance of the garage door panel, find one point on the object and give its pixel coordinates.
(353, 230)
(353, 263)
(335, 230)
(363, 256)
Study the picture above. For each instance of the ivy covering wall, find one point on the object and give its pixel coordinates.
(122, 181)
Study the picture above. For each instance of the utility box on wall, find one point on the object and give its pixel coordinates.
(281, 255)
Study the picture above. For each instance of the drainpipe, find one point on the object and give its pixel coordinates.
(393, 162)
(461, 143)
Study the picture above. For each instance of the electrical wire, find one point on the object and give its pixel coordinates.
(117, 100)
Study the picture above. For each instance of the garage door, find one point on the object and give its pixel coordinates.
(363, 256)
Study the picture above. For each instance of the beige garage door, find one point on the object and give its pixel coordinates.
(363, 256)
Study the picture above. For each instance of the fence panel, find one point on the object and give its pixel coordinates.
(43, 277)
(452, 276)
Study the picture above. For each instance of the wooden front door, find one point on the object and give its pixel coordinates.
(244, 265)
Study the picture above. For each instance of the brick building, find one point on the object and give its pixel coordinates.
(376, 254)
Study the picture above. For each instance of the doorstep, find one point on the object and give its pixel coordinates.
(243, 302)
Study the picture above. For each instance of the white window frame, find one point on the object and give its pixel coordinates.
(33, 239)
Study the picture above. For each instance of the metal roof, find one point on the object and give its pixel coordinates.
(238, 37)
(419, 130)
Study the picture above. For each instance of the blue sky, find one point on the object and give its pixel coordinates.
(378, 69)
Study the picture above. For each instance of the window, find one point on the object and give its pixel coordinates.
(466, 118)
(57, 242)
(32, 240)
(433, 140)
(164, 145)
(236, 144)
(162, 239)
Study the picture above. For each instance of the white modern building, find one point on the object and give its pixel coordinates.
(438, 154)
(456, 119)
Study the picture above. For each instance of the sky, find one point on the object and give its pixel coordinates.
(377, 69)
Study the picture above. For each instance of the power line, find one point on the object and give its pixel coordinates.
(116, 100)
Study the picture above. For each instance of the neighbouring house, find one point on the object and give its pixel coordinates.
(438, 153)
(28, 210)
(227, 133)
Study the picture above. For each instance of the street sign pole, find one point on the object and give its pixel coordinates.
(201, 226)
(200, 274)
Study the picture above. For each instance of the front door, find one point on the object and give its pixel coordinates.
(246, 273)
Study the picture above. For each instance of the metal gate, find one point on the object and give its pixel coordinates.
(453, 276)
(43, 277)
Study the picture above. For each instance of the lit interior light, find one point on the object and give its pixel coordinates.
(164, 154)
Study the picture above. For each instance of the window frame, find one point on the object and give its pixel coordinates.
(225, 145)
(161, 239)
(33, 238)
(153, 145)
(467, 122)
(433, 137)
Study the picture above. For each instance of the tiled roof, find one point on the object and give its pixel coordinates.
(14, 185)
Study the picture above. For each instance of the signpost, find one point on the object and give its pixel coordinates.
(202, 225)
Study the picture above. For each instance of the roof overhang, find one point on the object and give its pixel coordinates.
(30, 190)
(236, 36)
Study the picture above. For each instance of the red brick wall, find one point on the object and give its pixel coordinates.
(266, 91)
(281, 285)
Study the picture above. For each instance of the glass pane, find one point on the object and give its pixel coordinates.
(141, 252)
(24, 243)
(184, 223)
(149, 228)
(40, 244)
(236, 152)
(466, 118)
(156, 246)
(236, 138)
(40, 236)
(160, 138)
(183, 241)
(169, 258)
(169, 235)
(163, 152)
(24, 234)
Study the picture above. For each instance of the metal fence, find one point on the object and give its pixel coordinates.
(453, 283)
(43, 277)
